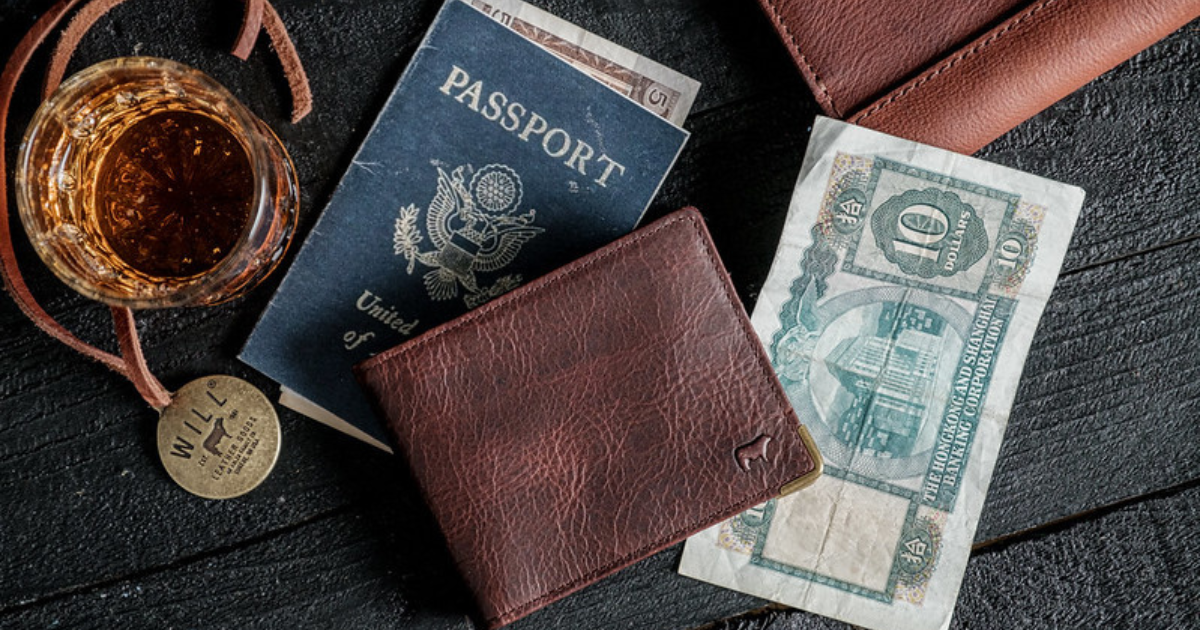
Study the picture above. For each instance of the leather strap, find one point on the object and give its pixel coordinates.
(131, 363)
(136, 369)
(258, 14)
(293, 70)
(14, 283)
(248, 34)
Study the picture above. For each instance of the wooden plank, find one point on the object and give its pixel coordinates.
(1109, 397)
(1132, 567)
(337, 570)
(76, 447)
(77, 438)
(83, 440)
(1128, 139)
(145, 523)
(349, 569)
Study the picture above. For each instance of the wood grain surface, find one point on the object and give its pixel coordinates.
(1095, 500)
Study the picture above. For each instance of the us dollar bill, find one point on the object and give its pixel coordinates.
(897, 314)
(656, 87)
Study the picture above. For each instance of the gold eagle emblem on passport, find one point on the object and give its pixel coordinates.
(474, 228)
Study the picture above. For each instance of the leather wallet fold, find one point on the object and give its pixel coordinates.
(591, 418)
(960, 74)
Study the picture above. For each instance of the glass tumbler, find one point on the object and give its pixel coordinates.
(144, 183)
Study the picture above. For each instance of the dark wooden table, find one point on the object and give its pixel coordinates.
(1092, 518)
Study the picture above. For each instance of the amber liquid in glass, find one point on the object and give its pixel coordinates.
(173, 194)
(144, 183)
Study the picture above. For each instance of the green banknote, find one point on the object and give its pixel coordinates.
(897, 314)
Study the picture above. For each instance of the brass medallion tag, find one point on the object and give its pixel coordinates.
(219, 437)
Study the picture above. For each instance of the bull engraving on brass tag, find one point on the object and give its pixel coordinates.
(214, 439)
(219, 437)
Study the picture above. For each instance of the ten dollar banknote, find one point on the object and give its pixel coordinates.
(897, 314)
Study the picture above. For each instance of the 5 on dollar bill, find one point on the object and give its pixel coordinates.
(897, 314)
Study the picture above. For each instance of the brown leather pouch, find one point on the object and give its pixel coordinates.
(959, 74)
(590, 418)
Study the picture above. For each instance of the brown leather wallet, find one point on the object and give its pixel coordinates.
(590, 418)
(959, 74)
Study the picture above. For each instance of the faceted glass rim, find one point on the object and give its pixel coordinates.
(248, 129)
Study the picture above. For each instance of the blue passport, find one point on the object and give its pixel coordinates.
(492, 163)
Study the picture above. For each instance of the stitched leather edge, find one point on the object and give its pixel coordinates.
(691, 215)
(793, 44)
(1011, 25)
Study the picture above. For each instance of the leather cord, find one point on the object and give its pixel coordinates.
(131, 363)
(248, 34)
(258, 14)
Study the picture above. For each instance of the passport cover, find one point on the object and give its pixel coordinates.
(492, 163)
(960, 74)
(591, 418)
